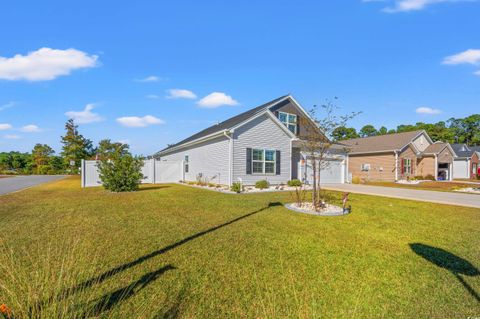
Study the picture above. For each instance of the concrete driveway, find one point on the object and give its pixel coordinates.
(16, 183)
(450, 198)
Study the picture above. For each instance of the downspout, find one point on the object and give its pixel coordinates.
(230, 157)
(436, 167)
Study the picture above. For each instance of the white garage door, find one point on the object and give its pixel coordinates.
(332, 172)
(460, 169)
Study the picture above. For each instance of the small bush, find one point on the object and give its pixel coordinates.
(429, 177)
(236, 187)
(294, 183)
(121, 173)
(356, 180)
(262, 184)
(418, 178)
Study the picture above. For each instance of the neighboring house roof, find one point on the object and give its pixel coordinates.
(462, 150)
(381, 143)
(435, 148)
(231, 122)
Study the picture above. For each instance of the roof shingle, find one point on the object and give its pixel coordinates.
(388, 142)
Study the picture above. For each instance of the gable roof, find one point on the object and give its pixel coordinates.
(462, 150)
(435, 148)
(381, 143)
(231, 122)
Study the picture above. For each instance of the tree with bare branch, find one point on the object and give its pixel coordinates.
(317, 142)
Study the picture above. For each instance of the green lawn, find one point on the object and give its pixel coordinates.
(176, 251)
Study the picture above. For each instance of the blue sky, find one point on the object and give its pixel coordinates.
(112, 65)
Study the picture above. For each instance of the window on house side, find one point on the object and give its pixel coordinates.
(186, 163)
(289, 120)
(263, 161)
(407, 165)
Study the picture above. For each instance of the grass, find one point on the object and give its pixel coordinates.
(176, 251)
(431, 186)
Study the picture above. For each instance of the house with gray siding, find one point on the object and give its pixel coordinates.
(262, 143)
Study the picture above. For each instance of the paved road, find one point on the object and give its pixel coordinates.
(12, 184)
(461, 199)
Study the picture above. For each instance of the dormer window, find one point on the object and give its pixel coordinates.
(289, 120)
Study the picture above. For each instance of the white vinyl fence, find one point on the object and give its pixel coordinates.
(154, 172)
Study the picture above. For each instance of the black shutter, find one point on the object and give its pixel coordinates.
(277, 164)
(249, 161)
(298, 127)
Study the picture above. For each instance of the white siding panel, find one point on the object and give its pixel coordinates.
(209, 158)
(261, 133)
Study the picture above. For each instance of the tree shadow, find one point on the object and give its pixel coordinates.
(453, 263)
(152, 188)
(110, 300)
(109, 273)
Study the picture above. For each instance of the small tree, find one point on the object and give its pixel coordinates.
(41, 155)
(75, 146)
(317, 141)
(120, 171)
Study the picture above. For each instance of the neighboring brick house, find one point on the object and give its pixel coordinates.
(466, 164)
(399, 156)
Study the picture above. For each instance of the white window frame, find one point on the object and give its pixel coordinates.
(366, 167)
(264, 161)
(287, 122)
(409, 171)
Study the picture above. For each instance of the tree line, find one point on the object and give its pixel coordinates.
(75, 147)
(461, 130)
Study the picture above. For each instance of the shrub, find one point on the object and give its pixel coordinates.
(294, 183)
(121, 173)
(236, 187)
(356, 180)
(262, 184)
(429, 177)
(418, 177)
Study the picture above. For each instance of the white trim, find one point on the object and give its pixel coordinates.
(374, 152)
(230, 157)
(291, 156)
(436, 167)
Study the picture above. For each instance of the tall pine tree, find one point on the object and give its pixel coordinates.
(75, 146)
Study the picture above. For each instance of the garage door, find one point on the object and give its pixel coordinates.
(332, 172)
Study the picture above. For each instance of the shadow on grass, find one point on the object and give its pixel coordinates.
(152, 188)
(99, 279)
(453, 263)
(110, 300)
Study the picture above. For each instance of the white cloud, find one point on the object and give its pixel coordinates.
(135, 121)
(415, 5)
(85, 116)
(477, 72)
(44, 64)
(470, 56)
(7, 105)
(216, 99)
(31, 128)
(180, 94)
(153, 96)
(5, 126)
(11, 137)
(151, 78)
(428, 111)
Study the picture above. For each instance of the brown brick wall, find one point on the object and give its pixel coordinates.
(377, 162)
(426, 166)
